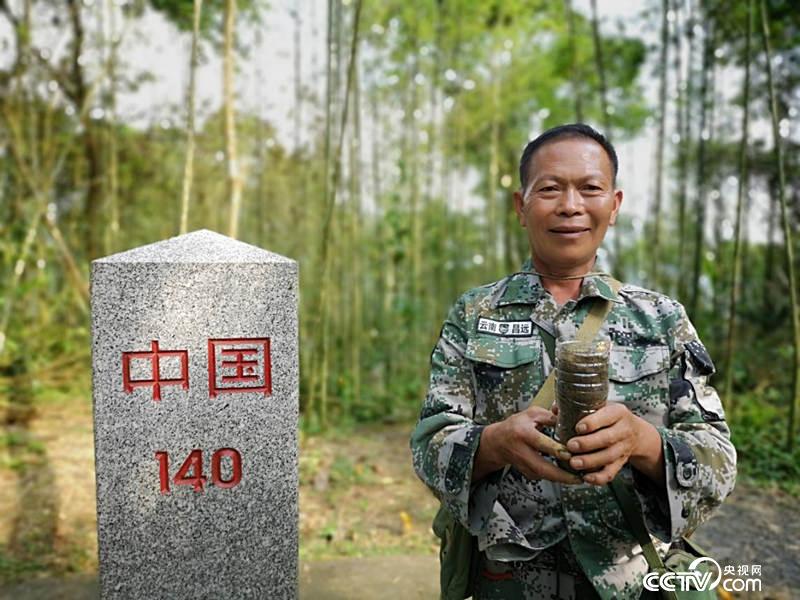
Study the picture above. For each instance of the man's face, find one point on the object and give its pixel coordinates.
(568, 203)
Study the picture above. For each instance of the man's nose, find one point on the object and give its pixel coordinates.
(571, 202)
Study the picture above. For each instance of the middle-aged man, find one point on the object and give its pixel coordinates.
(488, 455)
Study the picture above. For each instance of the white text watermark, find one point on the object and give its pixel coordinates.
(744, 578)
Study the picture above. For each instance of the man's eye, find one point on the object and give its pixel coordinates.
(549, 188)
(593, 188)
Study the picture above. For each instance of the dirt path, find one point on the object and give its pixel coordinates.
(364, 517)
(387, 578)
(758, 527)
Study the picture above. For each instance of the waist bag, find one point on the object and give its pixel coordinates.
(679, 556)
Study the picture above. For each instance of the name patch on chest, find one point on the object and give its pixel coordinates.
(505, 328)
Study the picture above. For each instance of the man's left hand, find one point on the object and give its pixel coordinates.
(607, 439)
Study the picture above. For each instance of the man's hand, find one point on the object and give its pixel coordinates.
(517, 441)
(611, 437)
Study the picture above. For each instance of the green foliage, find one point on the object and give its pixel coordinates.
(758, 434)
(445, 89)
(181, 13)
(13, 569)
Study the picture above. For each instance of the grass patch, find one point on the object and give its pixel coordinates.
(13, 569)
(759, 434)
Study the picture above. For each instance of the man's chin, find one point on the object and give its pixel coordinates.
(568, 261)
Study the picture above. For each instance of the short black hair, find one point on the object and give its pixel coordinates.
(570, 130)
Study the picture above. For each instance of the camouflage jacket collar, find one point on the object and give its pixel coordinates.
(525, 287)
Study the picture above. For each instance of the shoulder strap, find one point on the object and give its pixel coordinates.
(544, 398)
(635, 520)
(588, 329)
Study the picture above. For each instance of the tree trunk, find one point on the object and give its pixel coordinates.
(741, 194)
(113, 230)
(575, 74)
(619, 267)
(494, 172)
(326, 227)
(16, 275)
(435, 276)
(794, 405)
(685, 150)
(229, 109)
(705, 136)
(89, 139)
(357, 317)
(769, 258)
(188, 169)
(601, 71)
(718, 279)
(662, 120)
(315, 387)
(298, 90)
(414, 251)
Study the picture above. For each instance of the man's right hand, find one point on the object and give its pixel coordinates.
(519, 442)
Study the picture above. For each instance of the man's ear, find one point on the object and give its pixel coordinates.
(617, 203)
(518, 204)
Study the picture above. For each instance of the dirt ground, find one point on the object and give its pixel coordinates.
(364, 516)
(358, 495)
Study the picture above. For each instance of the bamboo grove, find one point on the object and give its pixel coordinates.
(393, 185)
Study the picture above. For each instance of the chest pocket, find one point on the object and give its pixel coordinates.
(639, 377)
(508, 373)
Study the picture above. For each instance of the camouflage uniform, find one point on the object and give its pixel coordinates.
(489, 363)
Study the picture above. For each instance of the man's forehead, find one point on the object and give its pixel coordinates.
(562, 154)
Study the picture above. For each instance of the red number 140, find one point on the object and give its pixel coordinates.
(191, 471)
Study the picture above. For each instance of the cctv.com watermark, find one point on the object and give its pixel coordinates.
(743, 578)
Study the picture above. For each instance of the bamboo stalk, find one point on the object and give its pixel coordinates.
(575, 74)
(188, 168)
(229, 109)
(685, 131)
(619, 267)
(662, 120)
(794, 406)
(728, 396)
(700, 204)
(16, 275)
(326, 255)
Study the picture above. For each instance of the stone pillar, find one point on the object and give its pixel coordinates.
(195, 387)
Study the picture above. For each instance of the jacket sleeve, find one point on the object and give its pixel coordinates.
(445, 439)
(700, 460)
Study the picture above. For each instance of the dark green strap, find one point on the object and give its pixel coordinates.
(587, 331)
(630, 509)
(635, 519)
(549, 343)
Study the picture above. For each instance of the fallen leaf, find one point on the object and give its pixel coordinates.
(407, 524)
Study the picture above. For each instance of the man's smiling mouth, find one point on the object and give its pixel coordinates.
(569, 231)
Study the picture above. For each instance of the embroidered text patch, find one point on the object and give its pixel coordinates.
(505, 328)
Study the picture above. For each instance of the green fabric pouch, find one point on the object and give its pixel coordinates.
(680, 555)
(678, 559)
(458, 556)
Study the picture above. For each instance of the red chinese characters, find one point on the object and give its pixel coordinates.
(156, 382)
(234, 365)
(239, 365)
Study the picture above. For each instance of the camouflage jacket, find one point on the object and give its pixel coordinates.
(490, 361)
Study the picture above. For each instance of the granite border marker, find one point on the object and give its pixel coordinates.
(195, 390)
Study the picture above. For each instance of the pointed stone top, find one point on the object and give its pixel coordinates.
(201, 246)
